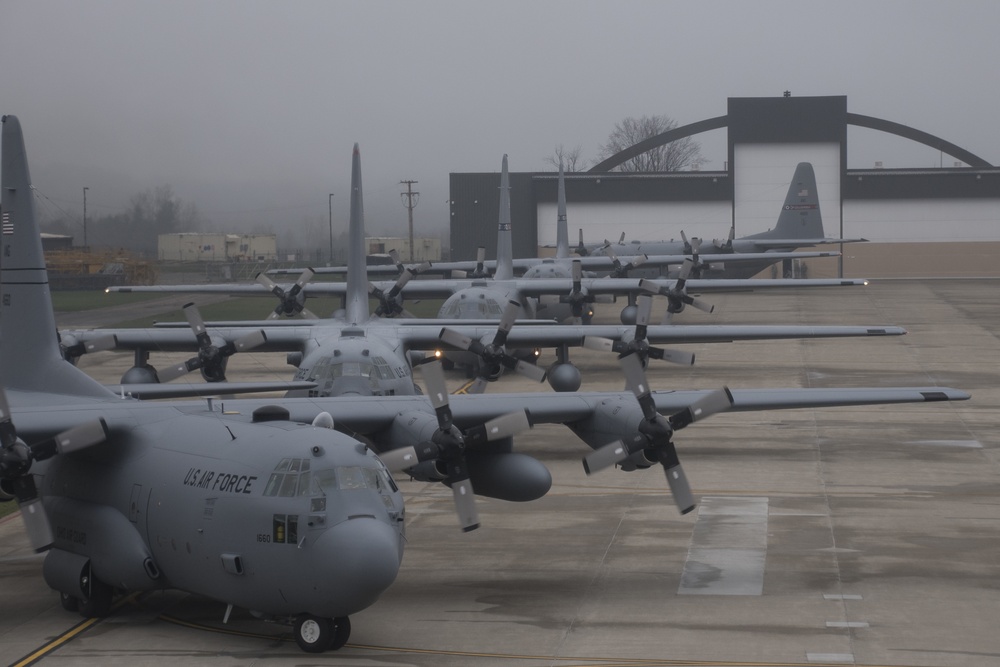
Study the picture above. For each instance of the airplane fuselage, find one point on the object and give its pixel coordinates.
(356, 363)
(231, 510)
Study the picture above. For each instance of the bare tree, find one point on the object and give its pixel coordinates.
(570, 158)
(676, 156)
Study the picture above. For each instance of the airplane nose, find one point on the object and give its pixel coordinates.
(363, 557)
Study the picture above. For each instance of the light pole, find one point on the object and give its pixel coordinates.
(330, 201)
(85, 217)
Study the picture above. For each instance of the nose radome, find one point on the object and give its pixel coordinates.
(363, 557)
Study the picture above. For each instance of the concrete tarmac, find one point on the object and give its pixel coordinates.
(860, 536)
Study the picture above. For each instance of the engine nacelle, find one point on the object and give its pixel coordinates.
(494, 470)
(102, 534)
(508, 476)
(612, 419)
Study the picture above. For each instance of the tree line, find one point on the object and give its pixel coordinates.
(150, 213)
(683, 154)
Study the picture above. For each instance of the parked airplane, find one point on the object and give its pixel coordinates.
(800, 225)
(263, 504)
(615, 263)
(558, 298)
(357, 354)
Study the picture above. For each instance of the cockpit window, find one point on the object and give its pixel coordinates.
(286, 478)
(472, 309)
(293, 477)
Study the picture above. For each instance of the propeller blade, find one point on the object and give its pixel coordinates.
(308, 314)
(455, 339)
(510, 312)
(71, 440)
(265, 280)
(701, 305)
(465, 504)
(644, 308)
(102, 344)
(673, 356)
(437, 389)
(173, 372)
(598, 343)
(407, 457)
(36, 523)
(498, 428)
(478, 386)
(194, 318)
(250, 341)
(306, 276)
(604, 457)
(718, 401)
(679, 488)
(399, 459)
(530, 371)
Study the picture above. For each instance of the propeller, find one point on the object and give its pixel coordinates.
(292, 301)
(389, 303)
(688, 246)
(581, 249)
(15, 467)
(493, 356)
(72, 348)
(698, 267)
(638, 345)
(578, 297)
(620, 270)
(480, 270)
(655, 434)
(607, 244)
(402, 268)
(448, 445)
(726, 247)
(677, 296)
(211, 359)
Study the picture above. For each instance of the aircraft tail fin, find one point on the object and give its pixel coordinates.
(505, 251)
(30, 358)
(800, 216)
(562, 226)
(356, 300)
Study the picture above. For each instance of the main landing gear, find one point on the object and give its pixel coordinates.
(315, 634)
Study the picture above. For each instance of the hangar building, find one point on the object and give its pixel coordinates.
(920, 222)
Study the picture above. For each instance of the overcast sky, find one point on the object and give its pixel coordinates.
(249, 110)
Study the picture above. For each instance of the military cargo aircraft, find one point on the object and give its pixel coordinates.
(799, 225)
(721, 260)
(354, 353)
(268, 503)
(557, 298)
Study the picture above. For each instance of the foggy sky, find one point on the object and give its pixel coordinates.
(249, 110)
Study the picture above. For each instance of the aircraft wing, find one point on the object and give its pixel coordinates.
(182, 339)
(626, 286)
(362, 415)
(786, 244)
(37, 419)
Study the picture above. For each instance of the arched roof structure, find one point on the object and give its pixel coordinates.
(859, 120)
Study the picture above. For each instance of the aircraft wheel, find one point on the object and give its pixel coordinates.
(341, 632)
(314, 634)
(97, 602)
(68, 602)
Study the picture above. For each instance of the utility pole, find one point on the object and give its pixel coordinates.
(330, 200)
(85, 217)
(410, 199)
